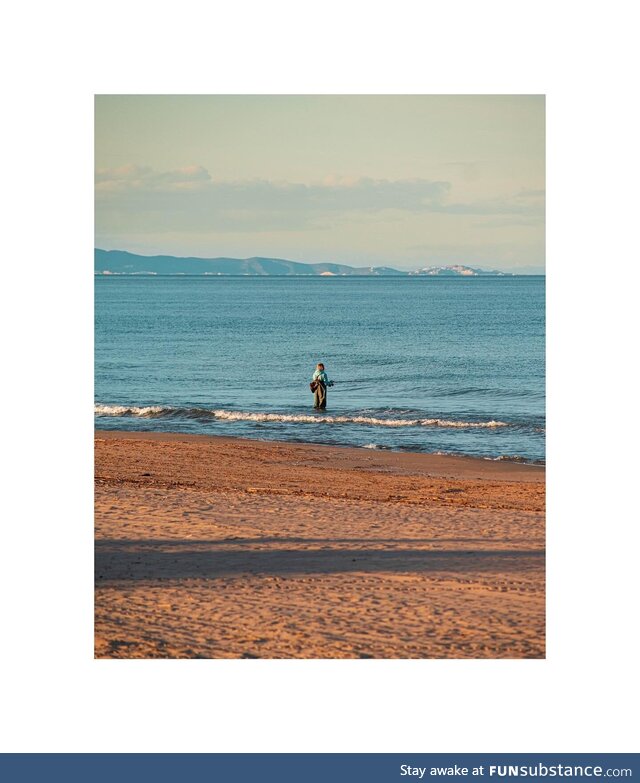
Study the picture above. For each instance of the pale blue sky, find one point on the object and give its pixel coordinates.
(404, 181)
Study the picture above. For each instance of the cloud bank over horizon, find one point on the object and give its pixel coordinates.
(471, 212)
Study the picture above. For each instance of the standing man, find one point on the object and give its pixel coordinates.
(319, 384)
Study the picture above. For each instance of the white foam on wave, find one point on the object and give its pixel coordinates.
(370, 420)
(227, 415)
(129, 410)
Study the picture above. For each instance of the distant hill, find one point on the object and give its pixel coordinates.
(124, 263)
(459, 271)
(121, 262)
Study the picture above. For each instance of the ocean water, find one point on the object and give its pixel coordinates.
(451, 365)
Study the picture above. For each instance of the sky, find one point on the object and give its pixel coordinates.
(397, 180)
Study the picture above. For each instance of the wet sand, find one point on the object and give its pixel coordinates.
(211, 547)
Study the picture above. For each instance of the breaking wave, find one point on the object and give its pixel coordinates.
(127, 410)
(158, 411)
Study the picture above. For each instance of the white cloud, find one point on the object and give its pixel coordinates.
(189, 199)
(143, 178)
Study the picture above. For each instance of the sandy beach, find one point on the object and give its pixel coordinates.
(211, 547)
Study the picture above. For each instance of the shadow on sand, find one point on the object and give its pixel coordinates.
(121, 559)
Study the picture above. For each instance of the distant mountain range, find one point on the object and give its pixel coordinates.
(120, 262)
(123, 263)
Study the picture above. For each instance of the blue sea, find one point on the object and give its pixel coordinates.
(433, 364)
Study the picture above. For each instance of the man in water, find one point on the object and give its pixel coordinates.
(321, 381)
